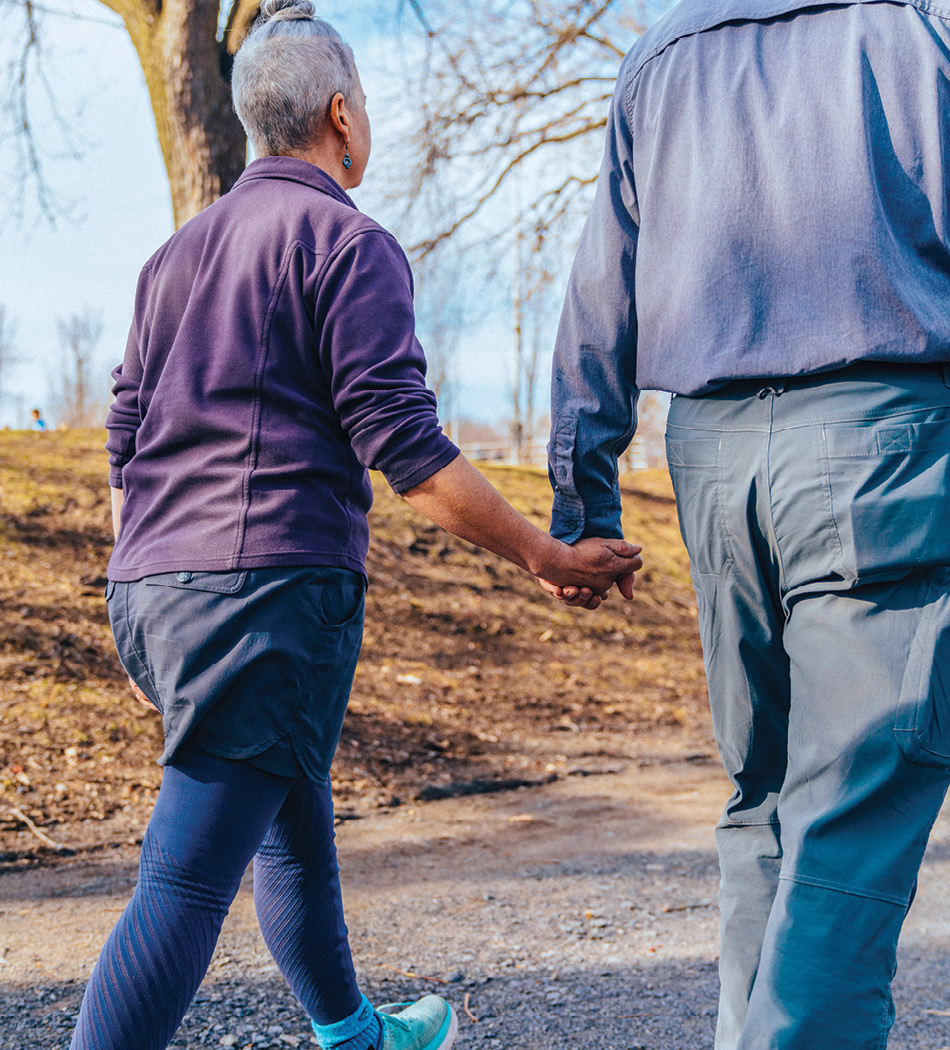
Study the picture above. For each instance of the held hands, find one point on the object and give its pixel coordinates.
(590, 568)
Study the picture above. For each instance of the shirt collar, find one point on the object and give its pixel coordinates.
(294, 170)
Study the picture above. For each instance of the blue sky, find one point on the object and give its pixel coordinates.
(122, 211)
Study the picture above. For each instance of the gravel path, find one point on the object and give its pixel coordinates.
(580, 915)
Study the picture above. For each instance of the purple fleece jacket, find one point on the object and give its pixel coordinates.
(272, 360)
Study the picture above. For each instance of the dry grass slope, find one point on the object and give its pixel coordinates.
(471, 678)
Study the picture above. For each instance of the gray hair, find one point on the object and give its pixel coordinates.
(285, 75)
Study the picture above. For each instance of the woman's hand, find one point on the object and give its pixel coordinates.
(140, 696)
(583, 583)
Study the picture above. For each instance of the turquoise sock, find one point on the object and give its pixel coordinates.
(360, 1031)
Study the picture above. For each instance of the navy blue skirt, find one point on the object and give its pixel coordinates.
(254, 665)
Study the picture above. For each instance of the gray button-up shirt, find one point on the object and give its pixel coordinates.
(773, 201)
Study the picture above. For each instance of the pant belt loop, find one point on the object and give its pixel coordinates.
(776, 388)
(945, 368)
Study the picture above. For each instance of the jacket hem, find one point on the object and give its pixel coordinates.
(191, 563)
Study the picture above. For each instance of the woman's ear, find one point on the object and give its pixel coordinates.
(338, 115)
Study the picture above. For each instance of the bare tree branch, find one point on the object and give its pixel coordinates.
(26, 74)
(75, 16)
(420, 14)
(31, 103)
(186, 63)
(506, 89)
(606, 43)
(426, 246)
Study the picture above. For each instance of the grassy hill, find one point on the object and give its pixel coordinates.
(471, 678)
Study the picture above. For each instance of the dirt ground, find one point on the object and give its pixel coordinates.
(471, 679)
(579, 913)
(525, 793)
(474, 690)
(514, 904)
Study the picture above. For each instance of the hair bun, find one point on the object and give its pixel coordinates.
(285, 11)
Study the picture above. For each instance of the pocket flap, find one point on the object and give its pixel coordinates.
(214, 582)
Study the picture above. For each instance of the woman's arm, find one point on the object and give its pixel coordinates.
(368, 350)
(461, 500)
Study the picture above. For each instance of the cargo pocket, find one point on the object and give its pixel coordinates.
(922, 726)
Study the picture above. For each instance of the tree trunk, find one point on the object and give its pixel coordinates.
(187, 72)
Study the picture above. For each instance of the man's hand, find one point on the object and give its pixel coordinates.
(591, 559)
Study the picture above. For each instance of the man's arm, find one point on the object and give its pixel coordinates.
(594, 392)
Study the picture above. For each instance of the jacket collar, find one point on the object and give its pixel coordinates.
(294, 170)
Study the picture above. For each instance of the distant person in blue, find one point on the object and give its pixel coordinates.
(272, 359)
(36, 420)
(770, 241)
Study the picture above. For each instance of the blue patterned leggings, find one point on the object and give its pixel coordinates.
(212, 816)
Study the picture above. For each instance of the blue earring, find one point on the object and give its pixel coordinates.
(346, 158)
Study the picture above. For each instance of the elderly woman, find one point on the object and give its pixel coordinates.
(271, 361)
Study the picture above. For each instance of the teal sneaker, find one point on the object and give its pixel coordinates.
(429, 1024)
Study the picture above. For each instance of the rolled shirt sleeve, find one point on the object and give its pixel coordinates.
(594, 393)
(374, 363)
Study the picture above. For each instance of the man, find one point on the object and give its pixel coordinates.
(769, 241)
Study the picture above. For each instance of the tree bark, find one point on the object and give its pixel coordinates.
(187, 73)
